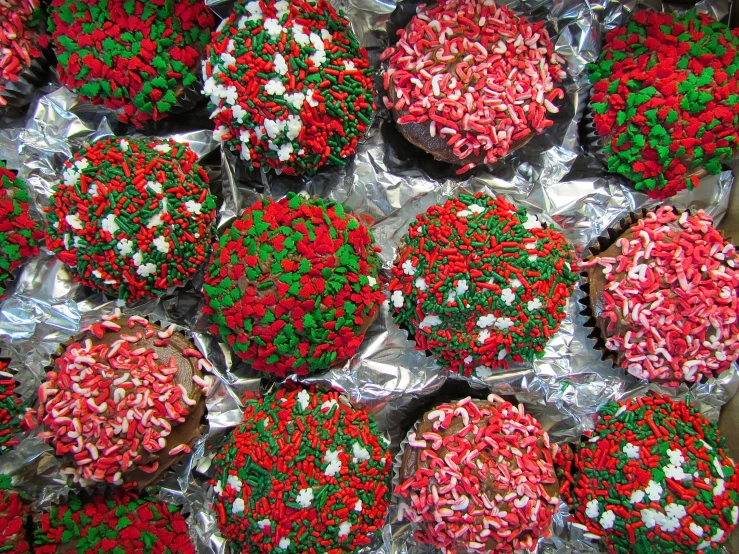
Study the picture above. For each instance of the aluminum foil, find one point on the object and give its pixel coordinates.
(387, 184)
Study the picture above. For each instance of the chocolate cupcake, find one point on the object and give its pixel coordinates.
(663, 297)
(19, 234)
(470, 82)
(653, 478)
(132, 217)
(13, 518)
(477, 476)
(123, 522)
(23, 50)
(304, 472)
(666, 100)
(293, 286)
(138, 58)
(479, 284)
(289, 86)
(124, 399)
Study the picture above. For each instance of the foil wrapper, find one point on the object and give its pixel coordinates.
(387, 183)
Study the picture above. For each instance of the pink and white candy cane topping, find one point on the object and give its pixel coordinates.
(490, 485)
(478, 74)
(110, 406)
(675, 283)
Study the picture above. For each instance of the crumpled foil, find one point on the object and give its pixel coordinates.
(387, 183)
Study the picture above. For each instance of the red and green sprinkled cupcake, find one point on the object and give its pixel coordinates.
(137, 57)
(663, 297)
(13, 517)
(23, 49)
(124, 400)
(666, 100)
(12, 409)
(293, 286)
(289, 85)
(470, 82)
(304, 472)
(478, 476)
(653, 478)
(121, 523)
(19, 234)
(480, 284)
(132, 217)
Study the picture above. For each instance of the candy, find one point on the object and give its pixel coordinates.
(480, 284)
(666, 98)
(21, 39)
(485, 484)
(132, 217)
(478, 75)
(653, 478)
(121, 523)
(19, 234)
(13, 516)
(304, 472)
(132, 56)
(293, 285)
(112, 403)
(11, 410)
(289, 86)
(673, 287)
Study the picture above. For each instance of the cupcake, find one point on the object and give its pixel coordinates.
(470, 82)
(664, 297)
(132, 217)
(138, 58)
(289, 86)
(12, 410)
(23, 42)
(124, 399)
(480, 284)
(665, 100)
(123, 522)
(293, 285)
(19, 234)
(477, 476)
(304, 472)
(13, 516)
(653, 478)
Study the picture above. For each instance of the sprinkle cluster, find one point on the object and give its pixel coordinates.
(293, 285)
(673, 288)
(666, 97)
(111, 404)
(481, 481)
(305, 472)
(19, 234)
(120, 523)
(289, 85)
(11, 410)
(479, 283)
(134, 56)
(654, 478)
(21, 39)
(477, 74)
(132, 217)
(13, 517)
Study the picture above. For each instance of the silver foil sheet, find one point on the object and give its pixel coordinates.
(388, 183)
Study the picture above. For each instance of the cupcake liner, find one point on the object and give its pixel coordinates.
(19, 94)
(149, 479)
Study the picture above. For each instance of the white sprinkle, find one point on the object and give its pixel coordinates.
(235, 482)
(255, 11)
(163, 148)
(719, 489)
(502, 354)
(282, 8)
(607, 519)
(274, 86)
(360, 453)
(637, 496)
(534, 304)
(334, 463)
(161, 244)
(532, 223)
(227, 59)
(483, 336)
(125, 246)
(264, 523)
(696, 529)
(238, 113)
(654, 491)
(344, 528)
(371, 281)
(74, 221)
(109, 224)
(503, 323)
(296, 99)
(146, 269)
(592, 510)
(303, 399)
(305, 497)
(430, 321)
(219, 133)
(154, 186)
(193, 207)
(515, 283)
(631, 451)
(467, 360)
(507, 296)
(285, 151)
(676, 457)
(421, 284)
(358, 506)
(483, 371)
(397, 299)
(124, 145)
(464, 213)
(280, 64)
(238, 506)
(486, 321)
(475, 208)
(284, 543)
(675, 472)
(273, 28)
(461, 287)
(408, 268)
